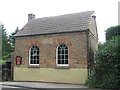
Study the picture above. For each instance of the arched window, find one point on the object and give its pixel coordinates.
(62, 55)
(34, 55)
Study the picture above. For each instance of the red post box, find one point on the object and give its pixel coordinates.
(18, 60)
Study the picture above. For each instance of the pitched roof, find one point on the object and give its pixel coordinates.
(57, 24)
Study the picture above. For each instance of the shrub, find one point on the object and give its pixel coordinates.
(106, 67)
(112, 32)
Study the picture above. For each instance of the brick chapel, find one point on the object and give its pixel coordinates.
(55, 49)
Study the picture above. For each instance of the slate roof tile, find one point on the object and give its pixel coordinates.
(56, 24)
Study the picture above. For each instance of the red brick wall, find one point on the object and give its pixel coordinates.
(76, 42)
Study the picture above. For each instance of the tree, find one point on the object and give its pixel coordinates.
(12, 38)
(6, 47)
(0, 41)
(112, 32)
(106, 66)
(0, 52)
(105, 73)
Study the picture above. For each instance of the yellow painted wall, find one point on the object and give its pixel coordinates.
(73, 75)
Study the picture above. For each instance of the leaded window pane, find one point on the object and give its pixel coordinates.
(62, 61)
(32, 62)
(37, 61)
(59, 51)
(62, 51)
(66, 56)
(34, 55)
(66, 61)
(58, 56)
(59, 62)
(62, 57)
(66, 51)
(62, 54)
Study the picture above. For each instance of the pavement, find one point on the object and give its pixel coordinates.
(36, 85)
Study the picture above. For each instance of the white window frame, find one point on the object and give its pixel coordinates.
(30, 56)
(57, 57)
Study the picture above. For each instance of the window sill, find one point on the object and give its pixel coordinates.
(33, 66)
(62, 67)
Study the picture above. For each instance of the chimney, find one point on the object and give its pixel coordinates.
(31, 17)
(94, 16)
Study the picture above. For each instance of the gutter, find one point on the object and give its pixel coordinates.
(88, 56)
(51, 33)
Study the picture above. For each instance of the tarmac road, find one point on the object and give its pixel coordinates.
(4, 87)
(39, 86)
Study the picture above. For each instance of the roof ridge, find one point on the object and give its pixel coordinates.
(92, 11)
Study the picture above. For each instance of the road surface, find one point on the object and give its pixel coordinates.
(4, 87)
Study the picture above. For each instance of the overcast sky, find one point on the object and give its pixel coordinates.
(13, 13)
